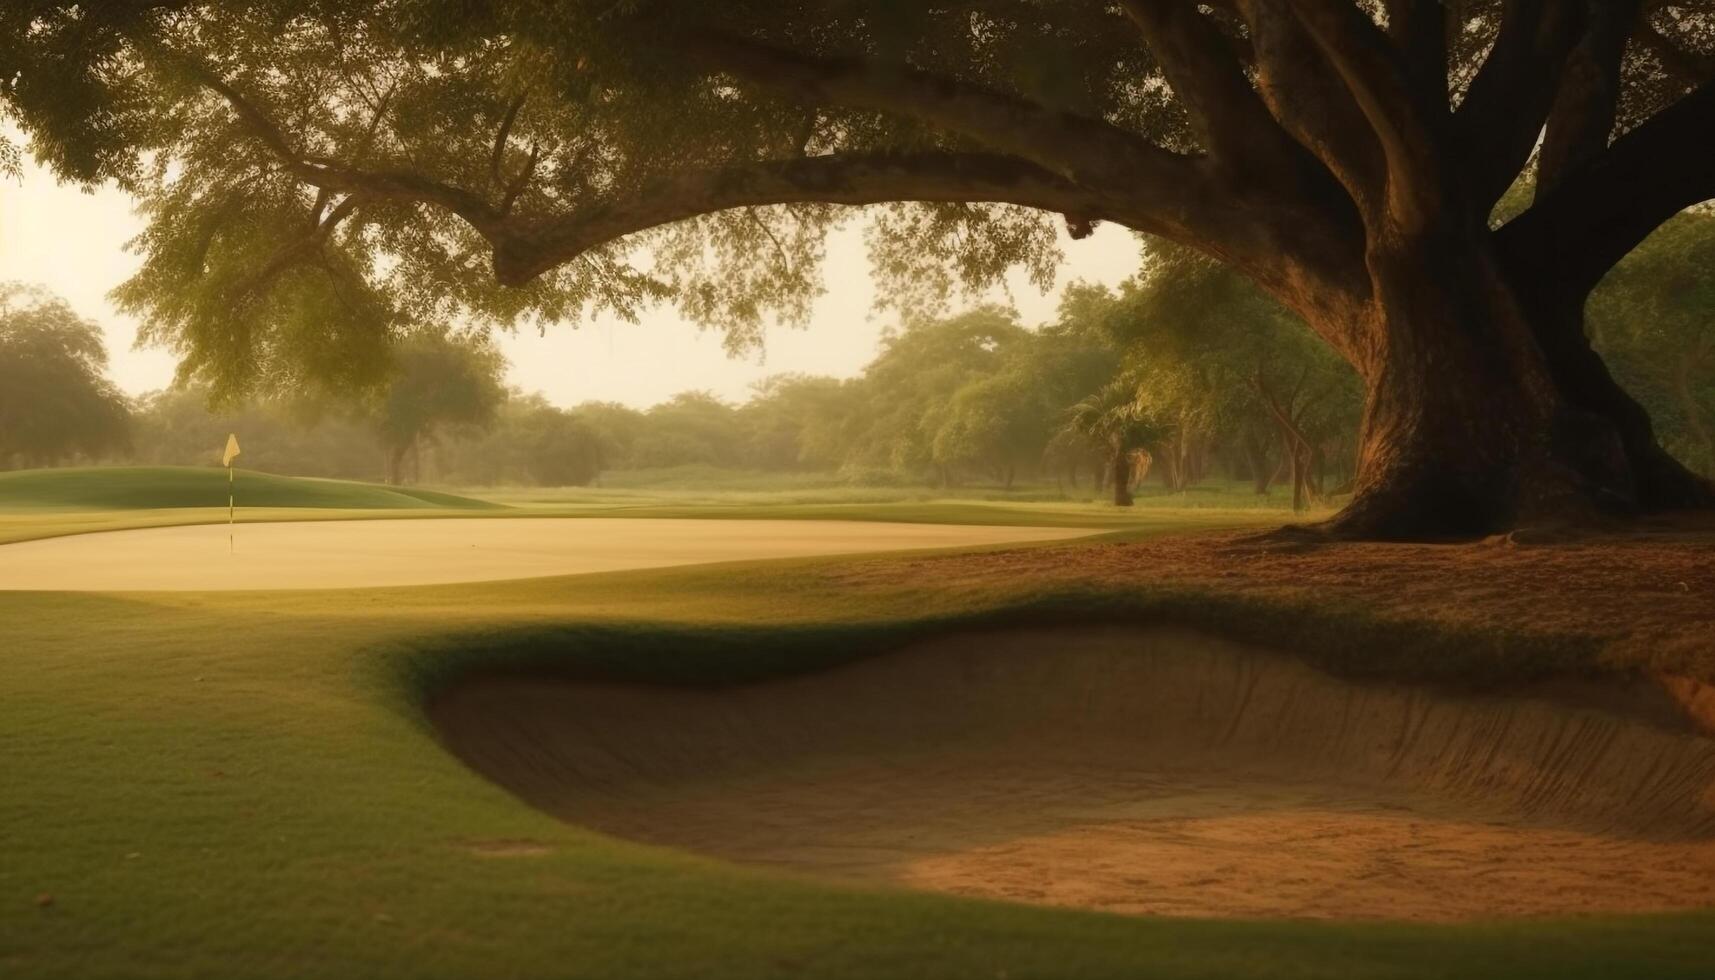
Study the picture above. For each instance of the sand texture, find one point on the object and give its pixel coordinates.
(1131, 770)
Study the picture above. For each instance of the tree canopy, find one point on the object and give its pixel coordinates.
(441, 381)
(321, 175)
(56, 402)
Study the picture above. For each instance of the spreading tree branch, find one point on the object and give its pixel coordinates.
(1499, 122)
(332, 175)
(1231, 120)
(1594, 217)
(851, 179)
(1088, 151)
(1383, 91)
(1418, 30)
(1311, 102)
(295, 252)
(1582, 118)
(1693, 66)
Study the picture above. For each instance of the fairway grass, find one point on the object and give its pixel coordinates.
(118, 488)
(49, 503)
(244, 784)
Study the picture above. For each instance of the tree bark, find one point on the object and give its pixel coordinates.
(1487, 409)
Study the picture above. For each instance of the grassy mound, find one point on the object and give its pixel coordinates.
(159, 487)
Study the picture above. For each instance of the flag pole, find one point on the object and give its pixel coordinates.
(226, 459)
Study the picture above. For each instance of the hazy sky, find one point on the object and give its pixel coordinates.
(74, 243)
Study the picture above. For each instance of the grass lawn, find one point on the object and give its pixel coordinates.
(47, 503)
(242, 784)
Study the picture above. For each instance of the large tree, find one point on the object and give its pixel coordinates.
(521, 158)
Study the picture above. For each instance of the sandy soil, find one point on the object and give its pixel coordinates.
(1126, 769)
(352, 554)
(1641, 592)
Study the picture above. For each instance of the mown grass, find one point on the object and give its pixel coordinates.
(709, 485)
(186, 487)
(243, 784)
(48, 503)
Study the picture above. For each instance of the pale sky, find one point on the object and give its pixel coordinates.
(74, 244)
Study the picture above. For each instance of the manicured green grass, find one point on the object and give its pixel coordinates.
(159, 487)
(47, 503)
(708, 485)
(243, 785)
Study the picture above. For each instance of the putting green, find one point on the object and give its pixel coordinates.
(355, 554)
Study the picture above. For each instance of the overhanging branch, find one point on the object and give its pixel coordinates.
(1088, 151)
(1507, 102)
(1383, 91)
(849, 179)
(1231, 119)
(1590, 221)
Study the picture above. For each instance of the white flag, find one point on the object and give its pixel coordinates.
(231, 449)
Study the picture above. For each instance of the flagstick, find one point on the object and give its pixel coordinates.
(231, 549)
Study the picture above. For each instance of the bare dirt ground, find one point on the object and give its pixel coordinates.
(354, 554)
(1127, 769)
(1643, 593)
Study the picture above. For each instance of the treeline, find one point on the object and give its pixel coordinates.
(1186, 372)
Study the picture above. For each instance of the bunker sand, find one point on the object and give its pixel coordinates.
(1132, 770)
(355, 554)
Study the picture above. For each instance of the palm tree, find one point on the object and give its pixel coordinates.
(1113, 419)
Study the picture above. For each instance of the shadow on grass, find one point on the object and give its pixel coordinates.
(1343, 639)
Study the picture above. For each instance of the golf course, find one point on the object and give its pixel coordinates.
(912, 763)
(857, 490)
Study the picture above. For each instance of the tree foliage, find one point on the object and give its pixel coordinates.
(56, 403)
(442, 382)
(1654, 320)
(320, 175)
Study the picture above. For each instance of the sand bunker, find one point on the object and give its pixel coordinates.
(1131, 770)
(353, 554)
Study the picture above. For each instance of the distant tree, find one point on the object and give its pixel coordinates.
(1217, 359)
(442, 381)
(1653, 319)
(559, 449)
(616, 428)
(187, 426)
(995, 424)
(799, 421)
(56, 402)
(1113, 418)
(907, 391)
(691, 428)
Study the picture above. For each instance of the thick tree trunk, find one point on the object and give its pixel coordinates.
(1483, 413)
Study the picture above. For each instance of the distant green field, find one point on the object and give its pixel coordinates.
(49, 503)
(160, 487)
(707, 485)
